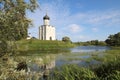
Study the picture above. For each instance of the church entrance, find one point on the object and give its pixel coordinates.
(50, 38)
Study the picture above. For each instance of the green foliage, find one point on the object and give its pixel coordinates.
(113, 40)
(7, 48)
(13, 21)
(92, 42)
(66, 39)
(3, 47)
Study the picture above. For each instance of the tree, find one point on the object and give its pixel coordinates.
(66, 39)
(13, 21)
(94, 42)
(113, 40)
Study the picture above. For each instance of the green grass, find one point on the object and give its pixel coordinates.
(72, 72)
(43, 46)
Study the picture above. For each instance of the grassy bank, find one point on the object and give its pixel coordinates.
(40, 45)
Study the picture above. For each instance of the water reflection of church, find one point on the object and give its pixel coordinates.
(46, 31)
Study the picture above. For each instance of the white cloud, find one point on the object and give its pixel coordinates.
(104, 18)
(82, 37)
(74, 28)
(79, 37)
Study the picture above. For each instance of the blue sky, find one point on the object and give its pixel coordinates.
(81, 20)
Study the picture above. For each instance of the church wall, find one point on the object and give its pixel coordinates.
(50, 32)
(42, 32)
(45, 32)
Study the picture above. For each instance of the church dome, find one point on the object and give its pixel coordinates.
(46, 17)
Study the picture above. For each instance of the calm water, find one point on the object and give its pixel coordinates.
(80, 54)
(89, 48)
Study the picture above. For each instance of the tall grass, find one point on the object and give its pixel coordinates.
(106, 71)
(72, 72)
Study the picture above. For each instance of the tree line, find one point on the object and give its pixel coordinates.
(112, 40)
(92, 42)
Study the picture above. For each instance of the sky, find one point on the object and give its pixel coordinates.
(80, 20)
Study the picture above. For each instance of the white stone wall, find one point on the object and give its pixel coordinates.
(47, 32)
(50, 33)
(41, 33)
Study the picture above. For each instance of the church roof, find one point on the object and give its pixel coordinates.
(46, 17)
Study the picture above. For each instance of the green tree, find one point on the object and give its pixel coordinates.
(66, 39)
(113, 40)
(13, 20)
(94, 42)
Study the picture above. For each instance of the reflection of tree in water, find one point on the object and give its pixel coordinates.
(26, 67)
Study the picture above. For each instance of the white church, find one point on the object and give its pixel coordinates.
(46, 31)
